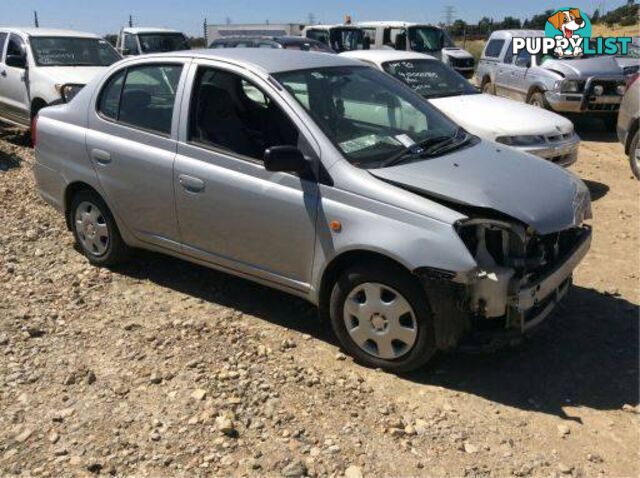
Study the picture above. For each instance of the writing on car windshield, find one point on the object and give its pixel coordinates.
(430, 78)
(70, 51)
(367, 115)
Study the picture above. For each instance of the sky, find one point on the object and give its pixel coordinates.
(107, 16)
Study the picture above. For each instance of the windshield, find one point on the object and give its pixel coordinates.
(368, 115)
(429, 78)
(161, 42)
(70, 51)
(345, 39)
(428, 39)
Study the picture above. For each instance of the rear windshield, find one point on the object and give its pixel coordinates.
(430, 78)
(70, 51)
(162, 42)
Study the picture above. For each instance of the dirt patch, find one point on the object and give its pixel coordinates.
(167, 368)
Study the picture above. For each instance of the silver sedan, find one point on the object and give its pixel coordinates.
(318, 176)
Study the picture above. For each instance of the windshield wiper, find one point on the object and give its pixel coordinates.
(454, 141)
(428, 147)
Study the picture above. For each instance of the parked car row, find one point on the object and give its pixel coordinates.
(324, 177)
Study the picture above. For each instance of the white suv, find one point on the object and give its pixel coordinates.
(40, 67)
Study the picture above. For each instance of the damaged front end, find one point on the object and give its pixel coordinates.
(519, 279)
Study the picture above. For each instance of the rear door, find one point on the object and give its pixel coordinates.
(14, 81)
(131, 142)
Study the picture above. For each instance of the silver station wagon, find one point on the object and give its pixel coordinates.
(324, 178)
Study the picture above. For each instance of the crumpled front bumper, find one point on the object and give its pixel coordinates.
(536, 301)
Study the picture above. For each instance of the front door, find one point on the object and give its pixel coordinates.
(232, 211)
(14, 81)
(130, 141)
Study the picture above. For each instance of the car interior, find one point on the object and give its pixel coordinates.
(230, 113)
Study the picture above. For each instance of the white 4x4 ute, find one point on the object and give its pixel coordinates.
(40, 67)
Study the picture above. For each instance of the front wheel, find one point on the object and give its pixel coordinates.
(95, 230)
(634, 155)
(488, 88)
(537, 99)
(381, 316)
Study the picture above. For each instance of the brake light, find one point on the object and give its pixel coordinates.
(34, 127)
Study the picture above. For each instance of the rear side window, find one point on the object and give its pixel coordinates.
(110, 98)
(16, 46)
(3, 40)
(142, 97)
(131, 45)
(493, 49)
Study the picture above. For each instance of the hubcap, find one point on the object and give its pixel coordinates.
(380, 321)
(92, 229)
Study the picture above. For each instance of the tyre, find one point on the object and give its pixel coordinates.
(538, 100)
(488, 88)
(381, 317)
(95, 230)
(634, 154)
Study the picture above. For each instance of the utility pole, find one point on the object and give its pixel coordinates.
(36, 23)
(311, 18)
(227, 20)
(206, 34)
(448, 14)
(130, 21)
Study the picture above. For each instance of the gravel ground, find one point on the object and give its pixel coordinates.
(163, 368)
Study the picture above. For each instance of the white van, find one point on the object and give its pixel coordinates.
(420, 38)
(342, 37)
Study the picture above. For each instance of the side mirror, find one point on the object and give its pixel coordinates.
(16, 61)
(286, 159)
(523, 62)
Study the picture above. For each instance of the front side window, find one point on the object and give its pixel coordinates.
(232, 114)
(70, 51)
(163, 42)
(365, 113)
(429, 78)
(493, 49)
(142, 96)
(428, 39)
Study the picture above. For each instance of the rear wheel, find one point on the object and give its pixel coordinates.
(381, 316)
(95, 230)
(634, 155)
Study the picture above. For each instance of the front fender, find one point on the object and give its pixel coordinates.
(413, 240)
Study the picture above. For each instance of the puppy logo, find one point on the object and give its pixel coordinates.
(567, 21)
(569, 27)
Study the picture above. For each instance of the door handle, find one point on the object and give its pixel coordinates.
(190, 183)
(100, 156)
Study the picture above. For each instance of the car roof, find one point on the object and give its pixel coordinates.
(517, 33)
(48, 32)
(383, 56)
(288, 39)
(137, 30)
(392, 24)
(267, 60)
(337, 25)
